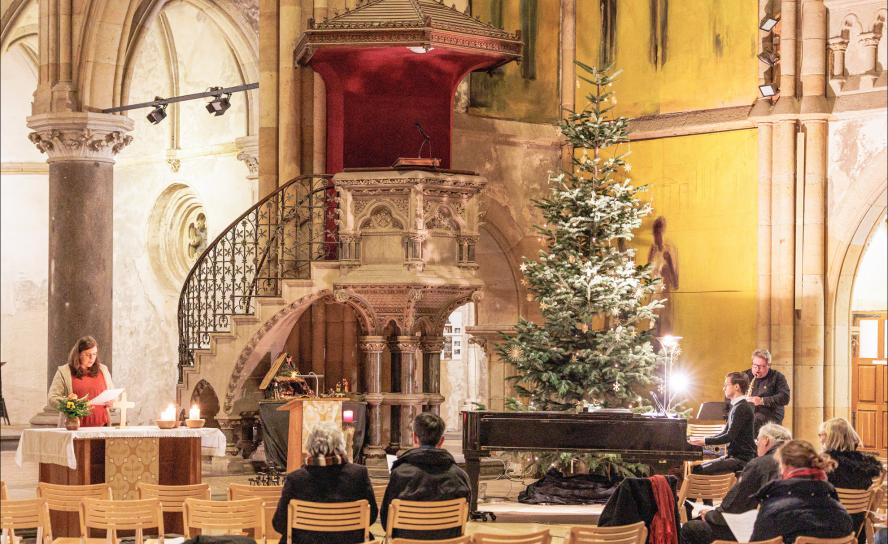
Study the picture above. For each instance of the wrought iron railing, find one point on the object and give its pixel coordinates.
(276, 239)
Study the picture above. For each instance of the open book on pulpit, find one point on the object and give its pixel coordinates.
(305, 413)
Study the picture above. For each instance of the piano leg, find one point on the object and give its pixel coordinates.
(473, 469)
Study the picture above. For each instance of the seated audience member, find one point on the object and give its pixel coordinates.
(425, 473)
(856, 470)
(738, 433)
(758, 472)
(803, 502)
(327, 476)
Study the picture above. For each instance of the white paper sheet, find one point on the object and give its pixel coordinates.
(741, 524)
(391, 460)
(698, 508)
(107, 395)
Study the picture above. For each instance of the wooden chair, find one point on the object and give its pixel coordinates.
(775, 540)
(4, 492)
(328, 517)
(111, 516)
(699, 487)
(849, 539)
(270, 495)
(879, 512)
(859, 501)
(25, 514)
(540, 537)
(457, 540)
(67, 498)
(227, 517)
(427, 516)
(703, 430)
(379, 493)
(621, 534)
(172, 497)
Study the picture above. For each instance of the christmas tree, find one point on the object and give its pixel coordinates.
(594, 344)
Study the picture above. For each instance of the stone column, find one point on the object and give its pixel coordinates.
(431, 361)
(763, 310)
(248, 152)
(838, 46)
(870, 43)
(81, 148)
(411, 380)
(371, 348)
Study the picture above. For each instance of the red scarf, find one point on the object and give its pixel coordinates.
(809, 473)
(663, 530)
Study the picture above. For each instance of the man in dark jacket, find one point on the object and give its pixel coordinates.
(426, 473)
(738, 433)
(768, 389)
(758, 472)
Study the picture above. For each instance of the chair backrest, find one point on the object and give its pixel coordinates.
(379, 492)
(26, 514)
(427, 516)
(67, 498)
(539, 537)
(328, 517)
(621, 534)
(457, 540)
(270, 495)
(704, 430)
(880, 502)
(700, 486)
(856, 501)
(172, 497)
(228, 517)
(4, 492)
(111, 515)
(848, 539)
(775, 540)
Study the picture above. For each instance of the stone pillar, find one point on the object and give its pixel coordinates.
(788, 12)
(763, 310)
(411, 380)
(431, 360)
(838, 46)
(248, 152)
(371, 349)
(870, 43)
(81, 148)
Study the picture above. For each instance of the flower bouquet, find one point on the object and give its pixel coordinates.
(74, 408)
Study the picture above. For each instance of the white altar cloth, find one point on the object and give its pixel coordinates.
(56, 445)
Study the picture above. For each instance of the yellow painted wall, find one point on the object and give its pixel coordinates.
(706, 187)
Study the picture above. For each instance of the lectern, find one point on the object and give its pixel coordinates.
(305, 413)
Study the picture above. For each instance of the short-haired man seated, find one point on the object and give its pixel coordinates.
(738, 433)
(741, 498)
(426, 473)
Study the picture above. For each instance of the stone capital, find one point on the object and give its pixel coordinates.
(372, 344)
(837, 44)
(869, 39)
(407, 344)
(80, 136)
(248, 152)
(432, 344)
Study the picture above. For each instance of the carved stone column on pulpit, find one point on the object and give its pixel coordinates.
(431, 362)
(372, 348)
(411, 380)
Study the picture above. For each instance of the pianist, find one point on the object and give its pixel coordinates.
(738, 433)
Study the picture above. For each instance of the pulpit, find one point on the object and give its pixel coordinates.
(120, 457)
(305, 413)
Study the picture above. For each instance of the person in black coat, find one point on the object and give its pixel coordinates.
(426, 473)
(856, 470)
(803, 502)
(738, 433)
(327, 476)
(740, 498)
(768, 389)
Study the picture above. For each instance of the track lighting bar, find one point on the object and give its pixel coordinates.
(161, 102)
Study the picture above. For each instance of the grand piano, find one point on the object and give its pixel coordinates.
(655, 440)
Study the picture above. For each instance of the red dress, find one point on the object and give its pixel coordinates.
(92, 386)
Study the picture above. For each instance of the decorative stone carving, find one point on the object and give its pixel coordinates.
(80, 136)
(177, 234)
(381, 219)
(248, 152)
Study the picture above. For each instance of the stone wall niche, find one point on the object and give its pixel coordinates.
(177, 234)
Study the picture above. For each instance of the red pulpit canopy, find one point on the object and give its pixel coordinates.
(390, 64)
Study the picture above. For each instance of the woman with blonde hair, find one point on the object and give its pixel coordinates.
(802, 502)
(855, 469)
(83, 375)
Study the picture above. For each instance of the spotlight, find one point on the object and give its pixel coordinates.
(768, 90)
(220, 104)
(158, 114)
(769, 57)
(679, 382)
(768, 23)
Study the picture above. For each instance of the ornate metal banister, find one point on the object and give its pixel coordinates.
(277, 238)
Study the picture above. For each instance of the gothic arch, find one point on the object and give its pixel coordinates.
(205, 397)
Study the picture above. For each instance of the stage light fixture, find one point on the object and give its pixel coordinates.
(158, 114)
(768, 90)
(768, 23)
(769, 57)
(219, 104)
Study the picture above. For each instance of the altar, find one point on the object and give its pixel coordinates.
(122, 457)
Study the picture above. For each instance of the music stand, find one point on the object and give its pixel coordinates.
(714, 410)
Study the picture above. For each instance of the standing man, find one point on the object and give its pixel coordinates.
(738, 433)
(768, 389)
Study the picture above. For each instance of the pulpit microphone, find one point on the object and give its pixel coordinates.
(426, 139)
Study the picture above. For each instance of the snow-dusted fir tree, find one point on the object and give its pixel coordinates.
(594, 344)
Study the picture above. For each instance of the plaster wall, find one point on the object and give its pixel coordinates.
(871, 283)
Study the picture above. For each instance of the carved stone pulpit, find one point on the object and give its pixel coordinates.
(305, 413)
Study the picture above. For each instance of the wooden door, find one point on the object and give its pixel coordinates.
(869, 381)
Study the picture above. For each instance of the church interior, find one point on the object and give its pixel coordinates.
(337, 228)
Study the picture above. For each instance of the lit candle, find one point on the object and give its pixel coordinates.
(169, 414)
(194, 413)
(348, 416)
